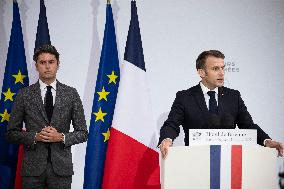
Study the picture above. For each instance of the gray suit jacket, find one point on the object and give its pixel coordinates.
(28, 107)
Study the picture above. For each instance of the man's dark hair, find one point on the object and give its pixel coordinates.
(45, 49)
(200, 61)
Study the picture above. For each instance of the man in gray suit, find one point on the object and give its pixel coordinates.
(47, 108)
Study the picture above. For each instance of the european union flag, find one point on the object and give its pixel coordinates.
(103, 107)
(15, 77)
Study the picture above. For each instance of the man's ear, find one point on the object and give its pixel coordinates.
(201, 73)
(36, 66)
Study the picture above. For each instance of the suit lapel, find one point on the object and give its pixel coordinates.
(58, 100)
(200, 99)
(221, 100)
(201, 102)
(38, 100)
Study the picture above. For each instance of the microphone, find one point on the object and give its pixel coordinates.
(213, 121)
(227, 122)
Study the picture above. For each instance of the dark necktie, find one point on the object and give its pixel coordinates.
(213, 108)
(49, 103)
(49, 111)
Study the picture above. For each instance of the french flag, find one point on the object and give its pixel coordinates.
(132, 160)
(219, 167)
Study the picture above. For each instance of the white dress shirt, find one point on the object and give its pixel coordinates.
(206, 96)
(43, 89)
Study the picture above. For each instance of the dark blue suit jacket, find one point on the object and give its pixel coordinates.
(189, 110)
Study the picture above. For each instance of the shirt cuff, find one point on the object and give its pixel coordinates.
(265, 140)
(63, 140)
(35, 139)
(166, 139)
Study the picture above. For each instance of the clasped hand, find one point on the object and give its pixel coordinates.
(48, 134)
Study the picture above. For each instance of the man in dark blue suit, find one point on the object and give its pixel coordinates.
(196, 107)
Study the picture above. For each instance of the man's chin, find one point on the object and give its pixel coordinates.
(48, 78)
(220, 84)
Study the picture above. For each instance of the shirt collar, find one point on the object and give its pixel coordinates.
(205, 89)
(43, 85)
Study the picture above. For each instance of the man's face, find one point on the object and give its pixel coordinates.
(213, 73)
(47, 67)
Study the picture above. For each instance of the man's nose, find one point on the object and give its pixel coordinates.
(47, 65)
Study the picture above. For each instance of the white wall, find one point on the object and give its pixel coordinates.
(250, 33)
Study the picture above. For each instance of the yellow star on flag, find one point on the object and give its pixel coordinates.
(100, 115)
(19, 77)
(8, 95)
(5, 116)
(103, 94)
(106, 135)
(112, 78)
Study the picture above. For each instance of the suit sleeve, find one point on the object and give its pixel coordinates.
(244, 121)
(80, 132)
(15, 134)
(171, 127)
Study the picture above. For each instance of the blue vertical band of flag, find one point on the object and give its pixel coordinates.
(15, 64)
(42, 34)
(215, 158)
(134, 49)
(96, 146)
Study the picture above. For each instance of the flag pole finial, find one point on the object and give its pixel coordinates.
(108, 1)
